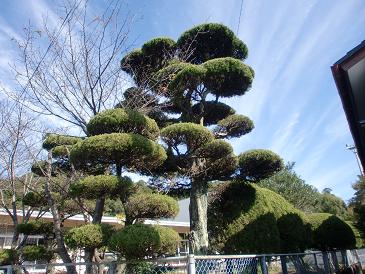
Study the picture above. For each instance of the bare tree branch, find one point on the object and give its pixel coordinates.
(80, 75)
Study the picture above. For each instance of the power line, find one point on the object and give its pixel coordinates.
(239, 18)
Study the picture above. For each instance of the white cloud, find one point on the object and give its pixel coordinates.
(281, 138)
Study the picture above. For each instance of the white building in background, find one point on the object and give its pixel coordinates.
(180, 224)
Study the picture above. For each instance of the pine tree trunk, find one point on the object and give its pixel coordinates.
(198, 217)
(88, 257)
(90, 252)
(15, 239)
(99, 209)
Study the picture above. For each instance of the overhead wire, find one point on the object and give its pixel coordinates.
(239, 18)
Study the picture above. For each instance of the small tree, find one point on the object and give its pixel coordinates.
(77, 75)
(119, 140)
(192, 89)
(18, 146)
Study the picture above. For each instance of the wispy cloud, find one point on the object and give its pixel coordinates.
(292, 44)
(282, 136)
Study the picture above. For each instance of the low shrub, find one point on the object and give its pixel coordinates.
(139, 241)
(89, 236)
(330, 232)
(35, 228)
(36, 252)
(8, 256)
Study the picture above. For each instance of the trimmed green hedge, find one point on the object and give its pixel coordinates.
(40, 168)
(8, 256)
(139, 241)
(35, 228)
(189, 134)
(233, 126)
(330, 232)
(244, 218)
(37, 252)
(227, 77)
(358, 235)
(89, 236)
(213, 111)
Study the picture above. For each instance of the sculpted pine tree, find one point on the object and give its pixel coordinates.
(192, 75)
(119, 140)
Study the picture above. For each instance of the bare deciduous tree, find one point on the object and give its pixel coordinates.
(78, 74)
(18, 146)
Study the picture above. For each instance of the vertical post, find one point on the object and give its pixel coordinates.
(9, 269)
(191, 264)
(358, 258)
(298, 264)
(344, 258)
(326, 263)
(263, 265)
(315, 260)
(335, 261)
(283, 264)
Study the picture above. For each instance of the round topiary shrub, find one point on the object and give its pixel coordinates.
(8, 256)
(257, 164)
(234, 125)
(244, 218)
(94, 187)
(214, 111)
(129, 149)
(189, 134)
(169, 240)
(89, 236)
(54, 140)
(221, 83)
(211, 41)
(34, 199)
(35, 228)
(36, 252)
(139, 241)
(121, 120)
(151, 205)
(330, 232)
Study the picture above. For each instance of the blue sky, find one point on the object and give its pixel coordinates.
(292, 44)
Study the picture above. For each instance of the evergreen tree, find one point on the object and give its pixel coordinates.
(119, 140)
(181, 85)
